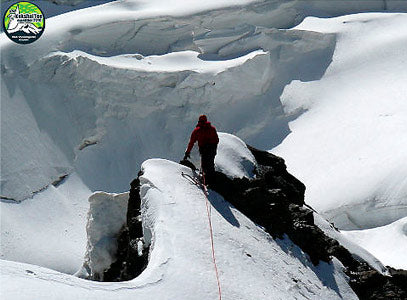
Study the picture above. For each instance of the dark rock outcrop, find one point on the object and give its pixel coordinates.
(275, 201)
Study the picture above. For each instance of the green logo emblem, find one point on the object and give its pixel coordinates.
(24, 22)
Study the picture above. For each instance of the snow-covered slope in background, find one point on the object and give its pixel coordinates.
(251, 264)
(389, 242)
(349, 146)
(48, 230)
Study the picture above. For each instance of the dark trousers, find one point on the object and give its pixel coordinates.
(208, 153)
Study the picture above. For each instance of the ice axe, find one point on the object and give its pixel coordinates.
(188, 163)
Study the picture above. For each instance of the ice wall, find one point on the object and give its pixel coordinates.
(102, 118)
(106, 217)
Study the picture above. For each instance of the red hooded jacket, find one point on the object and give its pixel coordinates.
(205, 134)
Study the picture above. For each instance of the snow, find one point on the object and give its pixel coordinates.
(106, 217)
(23, 177)
(234, 158)
(354, 247)
(389, 242)
(48, 230)
(348, 146)
(126, 26)
(171, 62)
(250, 262)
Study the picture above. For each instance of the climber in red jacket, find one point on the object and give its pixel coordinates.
(208, 140)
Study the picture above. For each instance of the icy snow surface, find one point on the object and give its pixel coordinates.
(171, 62)
(234, 158)
(251, 264)
(106, 216)
(48, 230)
(389, 242)
(349, 145)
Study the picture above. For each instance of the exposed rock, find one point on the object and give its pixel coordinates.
(275, 201)
(60, 180)
(369, 284)
(87, 143)
(265, 158)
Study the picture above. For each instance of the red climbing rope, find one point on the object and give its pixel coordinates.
(208, 210)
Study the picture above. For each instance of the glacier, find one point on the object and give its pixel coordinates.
(352, 134)
(121, 83)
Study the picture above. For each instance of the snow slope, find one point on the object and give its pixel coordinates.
(348, 146)
(389, 242)
(48, 230)
(251, 264)
(56, 7)
(233, 158)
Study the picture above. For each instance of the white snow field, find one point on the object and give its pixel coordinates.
(389, 242)
(251, 264)
(107, 87)
(349, 145)
(48, 230)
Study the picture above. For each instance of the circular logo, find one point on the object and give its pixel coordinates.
(23, 22)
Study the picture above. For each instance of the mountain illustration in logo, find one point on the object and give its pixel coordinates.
(24, 22)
